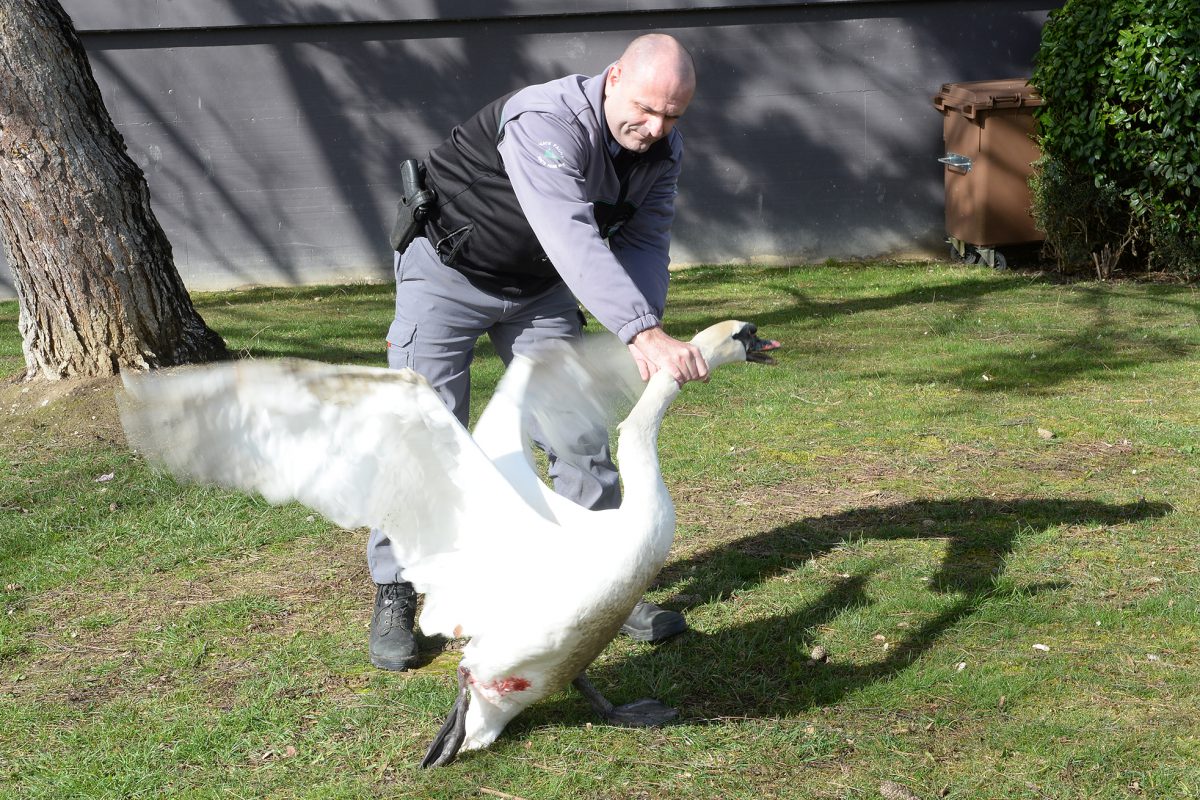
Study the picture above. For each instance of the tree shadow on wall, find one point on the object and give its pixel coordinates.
(779, 160)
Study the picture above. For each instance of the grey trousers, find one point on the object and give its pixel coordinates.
(439, 317)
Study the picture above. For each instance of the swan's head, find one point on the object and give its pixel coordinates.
(731, 341)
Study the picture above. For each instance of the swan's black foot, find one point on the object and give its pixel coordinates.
(645, 713)
(444, 746)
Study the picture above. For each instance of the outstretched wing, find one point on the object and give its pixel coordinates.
(360, 445)
(578, 391)
(567, 397)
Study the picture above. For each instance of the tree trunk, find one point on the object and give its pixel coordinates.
(95, 279)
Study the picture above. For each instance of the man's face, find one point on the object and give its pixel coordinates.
(641, 107)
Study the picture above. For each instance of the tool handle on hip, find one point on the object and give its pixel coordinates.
(416, 203)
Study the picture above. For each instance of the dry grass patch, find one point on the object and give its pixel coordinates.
(302, 588)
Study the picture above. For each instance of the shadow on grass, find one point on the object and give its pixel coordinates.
(980, 532)
(804, 310)
(759, 669)
(1097, 348)
(320, 323)
(1096, 352)
(268, 294)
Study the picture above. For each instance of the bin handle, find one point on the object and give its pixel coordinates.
(1007, 101)
(956, 163)
(945, 104)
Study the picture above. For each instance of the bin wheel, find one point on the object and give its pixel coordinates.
(969, 255)
(991, 256)
(973, 255)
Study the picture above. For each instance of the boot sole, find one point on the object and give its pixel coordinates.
(393, 664)
(656, 633)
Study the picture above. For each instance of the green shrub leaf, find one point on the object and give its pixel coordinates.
(1119, 133)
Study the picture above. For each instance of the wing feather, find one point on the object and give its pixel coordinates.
(566, 396)
(360, 445)
(576, 393)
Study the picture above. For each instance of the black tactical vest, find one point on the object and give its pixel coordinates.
(479, 228)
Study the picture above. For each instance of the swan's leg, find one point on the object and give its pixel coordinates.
(644, 713)
(444, 746)
(598, 702)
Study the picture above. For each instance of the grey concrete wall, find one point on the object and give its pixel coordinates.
(269, 130)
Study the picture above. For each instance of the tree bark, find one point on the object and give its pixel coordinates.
(95, 278)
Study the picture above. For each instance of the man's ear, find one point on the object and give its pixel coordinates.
(614, 74)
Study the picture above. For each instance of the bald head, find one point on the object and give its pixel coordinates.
(658, 52)
(647, 90)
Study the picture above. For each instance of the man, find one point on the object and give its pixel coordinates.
(558, 194)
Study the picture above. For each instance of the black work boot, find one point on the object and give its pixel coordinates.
(649, 623)
(392, 643)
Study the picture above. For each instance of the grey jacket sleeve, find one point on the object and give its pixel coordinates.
(546, 160)
(643, 243)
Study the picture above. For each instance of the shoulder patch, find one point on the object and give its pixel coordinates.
(549, 155)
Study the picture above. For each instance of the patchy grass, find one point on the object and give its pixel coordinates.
(948, 467)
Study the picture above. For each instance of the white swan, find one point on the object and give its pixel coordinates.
(539, 584)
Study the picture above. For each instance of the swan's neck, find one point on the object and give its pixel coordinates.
(637, 443)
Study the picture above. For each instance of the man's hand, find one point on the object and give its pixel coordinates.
(654, 350)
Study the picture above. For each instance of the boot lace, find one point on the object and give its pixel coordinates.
(398, 605)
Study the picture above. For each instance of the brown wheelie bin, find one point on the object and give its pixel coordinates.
(987, 130)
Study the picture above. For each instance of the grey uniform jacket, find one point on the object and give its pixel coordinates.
(529, 194)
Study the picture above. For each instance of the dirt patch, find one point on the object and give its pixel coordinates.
(43, 414)
(786, 501)
(308, 580)
(20, 397)
(749, 510)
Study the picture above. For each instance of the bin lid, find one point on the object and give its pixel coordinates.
(974, 96)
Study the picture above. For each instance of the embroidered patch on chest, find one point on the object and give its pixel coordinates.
(550, 155)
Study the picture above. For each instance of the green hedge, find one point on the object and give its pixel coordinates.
(1120, 133)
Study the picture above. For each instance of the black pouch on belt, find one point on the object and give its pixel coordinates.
(415, 206)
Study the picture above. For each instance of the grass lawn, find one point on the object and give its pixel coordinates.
(979, 491)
